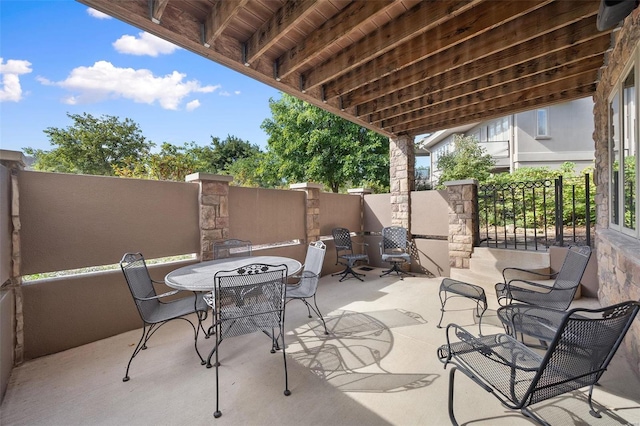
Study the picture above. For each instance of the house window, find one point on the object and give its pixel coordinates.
(542, 123)
(623, 149)
(498, 131)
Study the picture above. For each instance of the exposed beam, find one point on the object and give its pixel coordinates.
(276, 27)
(463, 96)
(350, 18)
(157, 9)
(471, 24)
(573, 57)
(476, 57)
(221, 14)
(477, 111)
(421, 18)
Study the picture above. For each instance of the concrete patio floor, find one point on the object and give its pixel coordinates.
(378, 366)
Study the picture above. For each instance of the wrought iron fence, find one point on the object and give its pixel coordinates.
(536, 214)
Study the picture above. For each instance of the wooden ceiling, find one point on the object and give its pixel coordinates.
(403, 67)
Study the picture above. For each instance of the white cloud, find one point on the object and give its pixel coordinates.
(97, 14)
(145, 44)
(105, 81)
(224, 93)
(193, 105)
(237, 93)
(11, 90)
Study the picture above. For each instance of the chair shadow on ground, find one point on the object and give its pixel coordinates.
(355, 347)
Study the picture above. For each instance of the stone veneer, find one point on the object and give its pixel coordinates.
(618, 255)
(462, 216)
(15, 161)
(402, 179)
(312, 191)
(214, 210)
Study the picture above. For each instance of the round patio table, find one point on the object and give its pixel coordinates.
(200, 276)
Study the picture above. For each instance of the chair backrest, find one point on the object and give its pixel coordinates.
(582, 349)
(342, 240)
(315, 257)
(139, 281)
(250, 298)
(394, 238)
(568, 278)
(231, 248)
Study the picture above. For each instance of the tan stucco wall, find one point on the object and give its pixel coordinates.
(256, 214)
(339, 211)
(74, 221)
(7, 337)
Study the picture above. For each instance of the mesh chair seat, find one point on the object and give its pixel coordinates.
(558, 296)
(580, 351)
(153, 311)
(307, 285)
(247, 300)
(393, 249)
(346, 255)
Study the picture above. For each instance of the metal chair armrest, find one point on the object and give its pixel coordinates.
(528, 271)
(529, 283)
(169, 293)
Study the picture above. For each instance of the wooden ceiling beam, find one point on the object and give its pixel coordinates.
(291, 13)
(221, 14)
(473, 23)
(464, 96)
(566, 95)
(352, 17)
(588, 53)
(477, 57)
(157, 9)
(477, 108)
(422, 17)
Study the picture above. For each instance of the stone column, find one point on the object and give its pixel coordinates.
(312, 191)
(214, 210)
(15, 161)
(361, 192)
(463, 230)
(402, 179)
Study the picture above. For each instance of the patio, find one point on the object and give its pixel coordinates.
(378, 366)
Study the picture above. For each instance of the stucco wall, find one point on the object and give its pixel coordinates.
(570, 136)
(618, 255)
(75, 221)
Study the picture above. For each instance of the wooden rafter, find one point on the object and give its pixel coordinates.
(157, 9)
(292, 12)
(221, 14)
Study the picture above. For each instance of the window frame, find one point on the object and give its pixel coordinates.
(547, 134)
(618, 89)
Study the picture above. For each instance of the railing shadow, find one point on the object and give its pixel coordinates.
(356, 342)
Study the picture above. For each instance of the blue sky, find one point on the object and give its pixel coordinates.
(59, 57)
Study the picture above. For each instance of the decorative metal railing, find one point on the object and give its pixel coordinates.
(536, 214)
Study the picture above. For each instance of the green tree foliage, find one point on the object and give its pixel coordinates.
(176, 162)
(468, 160)
(310, 144)
(259, 170)
(92, 146)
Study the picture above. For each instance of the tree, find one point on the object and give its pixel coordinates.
(176, 162)
(95, 146)
(468, 160)
(311, 144)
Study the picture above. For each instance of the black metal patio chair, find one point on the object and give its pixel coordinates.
(558, 296)
(246, 300)
(307, 283)
(579, 353)
(345, 255)
(231, 248)
(153, 310)
(394, 250)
